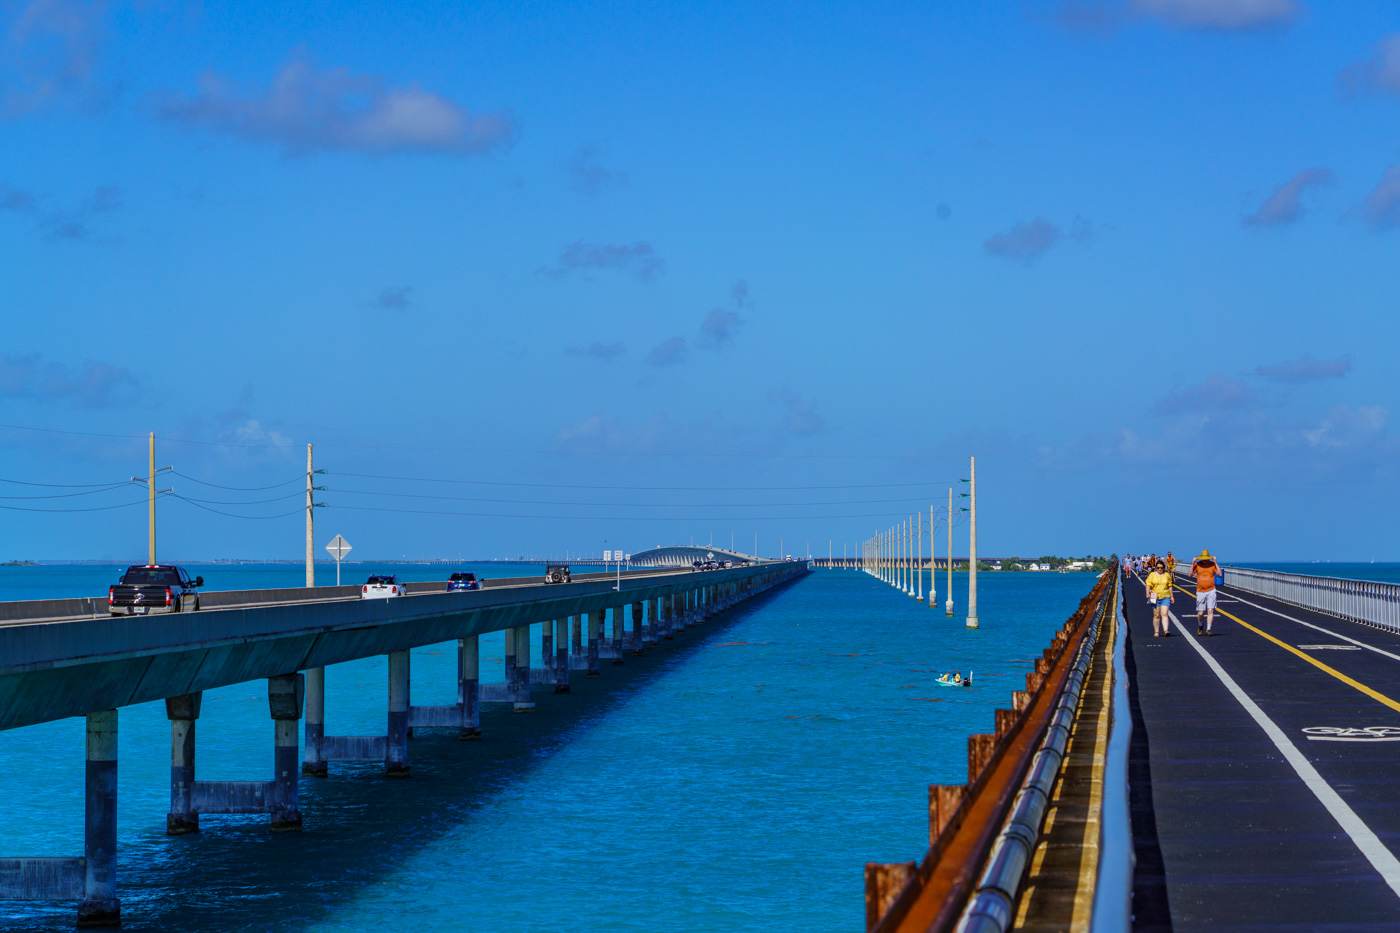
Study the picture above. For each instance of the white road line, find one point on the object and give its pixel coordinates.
(1377, 854)
(1319, 628)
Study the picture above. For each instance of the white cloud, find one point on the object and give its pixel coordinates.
(1284, 206)
(306, 109)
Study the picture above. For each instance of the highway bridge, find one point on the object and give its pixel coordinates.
(1237, 780)
(62, 658)
(1240, 778)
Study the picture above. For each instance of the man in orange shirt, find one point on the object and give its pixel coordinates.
(1204, 569)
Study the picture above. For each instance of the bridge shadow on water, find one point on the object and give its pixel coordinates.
(360, 826)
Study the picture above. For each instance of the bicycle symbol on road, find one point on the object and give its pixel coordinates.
(1363, 734)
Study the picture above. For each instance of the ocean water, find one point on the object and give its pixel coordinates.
(736, 778)
(1377, 572)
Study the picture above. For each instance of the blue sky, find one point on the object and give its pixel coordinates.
(1139, 258)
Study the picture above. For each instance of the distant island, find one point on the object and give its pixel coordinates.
(19, 563)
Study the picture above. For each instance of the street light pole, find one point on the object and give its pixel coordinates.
(948, 609)
(151, 503)
(972, 551)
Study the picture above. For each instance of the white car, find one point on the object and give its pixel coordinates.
(383, 587)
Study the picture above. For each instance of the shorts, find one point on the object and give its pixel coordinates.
(1205, 600)
(1164, 603)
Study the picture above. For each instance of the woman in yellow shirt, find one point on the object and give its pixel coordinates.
(1159, 594)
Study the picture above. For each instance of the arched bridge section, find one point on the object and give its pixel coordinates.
(683, 555)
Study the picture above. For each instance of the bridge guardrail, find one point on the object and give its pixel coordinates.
(1113, 888)
(972, 860)
(1362, 601)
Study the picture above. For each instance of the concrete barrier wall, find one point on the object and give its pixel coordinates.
(54, 669)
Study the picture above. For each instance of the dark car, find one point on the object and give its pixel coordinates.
(462, 581)
(147, 588)
(557, 573)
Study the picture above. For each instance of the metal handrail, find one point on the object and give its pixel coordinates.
(992, 906)
(964, 819)
(1364, 601)
(1113, 889)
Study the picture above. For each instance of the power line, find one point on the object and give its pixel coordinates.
(614, 518)
(297, 479)
(100, 508)
(630, 505)
(232, 515)
(70, 495)
(20, 482)
(294, 495)
(477, 482)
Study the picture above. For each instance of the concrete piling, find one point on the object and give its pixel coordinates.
(313, 761)
(619, 633)
(468, 687)
(521, 693)
(652, 634)
(547, 645)
(561, 656)
(284, 698)
(99, 906)
(595, 635)
(183, 712)
(396, 751)
(638, 640)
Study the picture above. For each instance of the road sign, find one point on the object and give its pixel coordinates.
(627, 557)
(607, 555)
(338, 547)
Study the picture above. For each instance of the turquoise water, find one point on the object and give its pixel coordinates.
(1375, 572)
(735, 779)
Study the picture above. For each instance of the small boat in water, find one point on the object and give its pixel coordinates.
(955, 679)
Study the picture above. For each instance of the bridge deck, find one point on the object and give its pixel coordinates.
(1257, 801)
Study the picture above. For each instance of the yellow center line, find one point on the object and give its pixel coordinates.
(1379, 697)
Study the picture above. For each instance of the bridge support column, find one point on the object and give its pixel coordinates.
(521, 693)
(91, 879)
(561, 656)
(595, 635)
(668, 617)
(652, 633)
(468, 687)
(619, 632)
(100, 907)
(396, 750)
(638, 636)
(284, 699)
(313, 762)
(183, 712)
(547, 646)
(576, 624)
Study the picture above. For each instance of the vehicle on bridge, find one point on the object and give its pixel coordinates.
(147, 588)
(557, 573)
(462, 581)
(383, 586)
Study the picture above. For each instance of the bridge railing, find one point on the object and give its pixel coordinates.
(983, 833)
(1365, 601)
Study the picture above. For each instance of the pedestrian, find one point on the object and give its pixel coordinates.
(1159, 594)
(1205, 569)
(1171, 565)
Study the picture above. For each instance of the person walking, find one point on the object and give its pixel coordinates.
(1205, 569)
(1159, 594)
(1171, 565)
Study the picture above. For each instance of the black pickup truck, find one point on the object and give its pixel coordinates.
(147, 588)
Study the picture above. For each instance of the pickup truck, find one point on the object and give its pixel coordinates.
(147, 588)
(383, 586)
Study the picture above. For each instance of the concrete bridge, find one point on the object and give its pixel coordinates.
(1238, 777)
(62, 658)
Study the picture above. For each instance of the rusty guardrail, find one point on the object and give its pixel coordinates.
(965, 819)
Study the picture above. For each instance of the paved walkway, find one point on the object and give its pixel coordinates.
(1265, 769)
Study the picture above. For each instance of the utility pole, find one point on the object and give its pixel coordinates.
(972, 551)
(932, 562)
(919, 559)
(310, 557)
(151, 503)
(948, 609)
